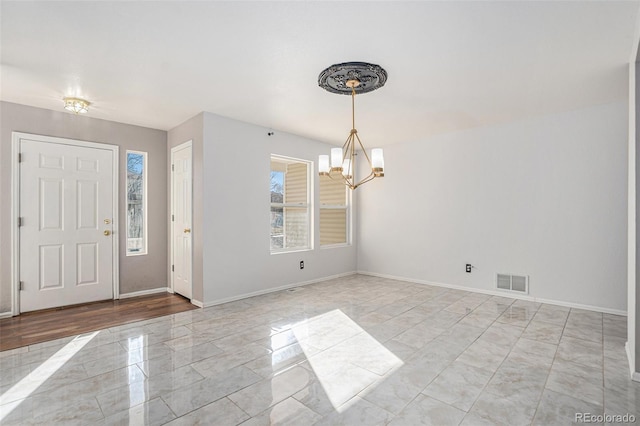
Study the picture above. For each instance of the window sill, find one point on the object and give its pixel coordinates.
(332, 246)
(285, 251)
(136, 254)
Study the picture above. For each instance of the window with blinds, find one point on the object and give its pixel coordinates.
(334, 212)
(290, 213)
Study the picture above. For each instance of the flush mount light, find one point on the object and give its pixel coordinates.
(350, 78)
(77, 105)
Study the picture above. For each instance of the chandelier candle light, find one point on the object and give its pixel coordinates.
(350, 78)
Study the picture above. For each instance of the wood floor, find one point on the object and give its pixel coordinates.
(41, 326)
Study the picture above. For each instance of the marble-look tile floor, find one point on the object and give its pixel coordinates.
(357, 350)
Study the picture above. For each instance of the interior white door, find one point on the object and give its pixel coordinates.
(181, 187)
(66, 208)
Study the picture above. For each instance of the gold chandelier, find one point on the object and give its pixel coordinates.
(349, 78)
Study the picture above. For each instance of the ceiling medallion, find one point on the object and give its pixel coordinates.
(370, 77)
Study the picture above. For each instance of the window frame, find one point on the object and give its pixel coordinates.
(145, 216)
(347, 207)
(283, 205)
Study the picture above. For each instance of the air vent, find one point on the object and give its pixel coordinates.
(509, 282)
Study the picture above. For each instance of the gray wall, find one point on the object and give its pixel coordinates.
(137, 273)
(231, 257)
(191, 130)
(236, 251)
(544, 197)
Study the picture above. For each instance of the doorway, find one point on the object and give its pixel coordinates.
(65, 251)
(181, 219)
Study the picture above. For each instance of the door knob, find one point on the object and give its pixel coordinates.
(187, 230)
(107, 233)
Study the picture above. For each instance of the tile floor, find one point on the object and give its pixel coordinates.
(352, 351)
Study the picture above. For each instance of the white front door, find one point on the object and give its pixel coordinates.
(181, 233)
(66, 212)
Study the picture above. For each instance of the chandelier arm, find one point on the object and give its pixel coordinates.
(341, 179)
(353, 160)
(371, 174)
(364, 151)
(365, 180)
(350, 182)
(345, 146)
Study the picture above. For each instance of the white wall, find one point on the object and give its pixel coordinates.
(631, 221)
(237, 260)
(545, 197)
(633, 295)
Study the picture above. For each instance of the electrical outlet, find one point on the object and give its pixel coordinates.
(468, 269)
(302, 264)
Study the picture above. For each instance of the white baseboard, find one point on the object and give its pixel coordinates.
(273, 290)
(6, 314)
(198, 303)
(500, 293)
(144, 292)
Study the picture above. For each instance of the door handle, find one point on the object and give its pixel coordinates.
(107, 233)
(187, 230)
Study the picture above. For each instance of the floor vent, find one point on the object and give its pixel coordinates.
(509, 282)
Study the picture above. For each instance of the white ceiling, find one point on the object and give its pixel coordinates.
(451, 65)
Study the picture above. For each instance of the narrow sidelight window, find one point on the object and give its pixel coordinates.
(136, 203)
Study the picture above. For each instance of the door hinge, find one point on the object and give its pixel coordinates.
(20, 222)
(21, 285)
(173, 167)
(19, 157)
(173, 218)
(173, 268)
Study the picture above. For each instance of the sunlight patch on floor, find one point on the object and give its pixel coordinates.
(25, 387)
(345, 358)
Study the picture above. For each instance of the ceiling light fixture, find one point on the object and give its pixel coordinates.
(350, 78)
(77, 105)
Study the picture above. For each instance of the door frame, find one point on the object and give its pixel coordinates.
(15, 208)
(187, 144)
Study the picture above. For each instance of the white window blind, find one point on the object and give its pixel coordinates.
(334, 212)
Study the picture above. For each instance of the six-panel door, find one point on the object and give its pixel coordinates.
(66, 208)
(181, 229)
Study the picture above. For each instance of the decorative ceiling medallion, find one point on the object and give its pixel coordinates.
(370, 76)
